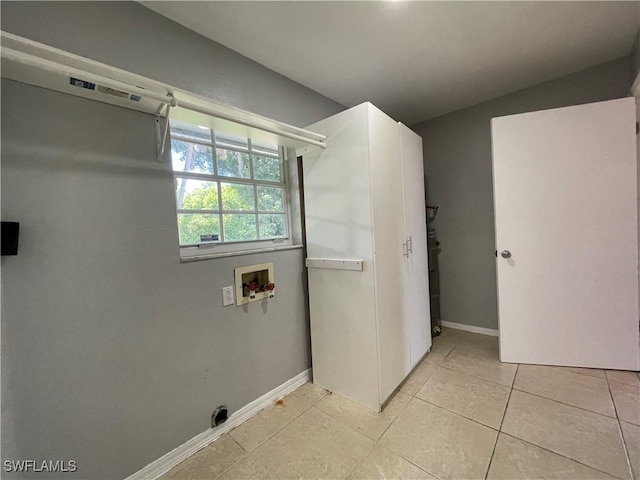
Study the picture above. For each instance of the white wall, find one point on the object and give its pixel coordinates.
(458, 176)
(114, 353)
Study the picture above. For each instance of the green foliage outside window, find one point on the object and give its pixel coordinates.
(196, 194)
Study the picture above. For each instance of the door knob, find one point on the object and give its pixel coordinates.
(505, 254)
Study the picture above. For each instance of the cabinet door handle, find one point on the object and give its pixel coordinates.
(410, 244)
(405, 249)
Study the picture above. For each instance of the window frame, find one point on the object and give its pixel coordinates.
(224, 247)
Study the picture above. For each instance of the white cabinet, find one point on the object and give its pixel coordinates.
(416, 272)
(366, 332)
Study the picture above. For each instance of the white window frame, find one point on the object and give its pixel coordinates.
(238, 247)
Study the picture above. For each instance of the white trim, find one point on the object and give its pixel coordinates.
(177, 455)
(470, 328)
(256, 251)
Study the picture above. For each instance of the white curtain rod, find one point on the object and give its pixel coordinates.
(165, 99)
(54, 67)
(206, 111)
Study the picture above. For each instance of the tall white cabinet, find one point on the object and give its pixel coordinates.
(364, 202)
(416, 271)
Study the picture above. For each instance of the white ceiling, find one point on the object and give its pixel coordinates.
(416, 60)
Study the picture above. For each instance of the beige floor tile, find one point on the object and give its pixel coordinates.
(481, 364)
(574, 389)
(419, 376)
(627, 400)
(484, 343)
(592, 372)
(442, 443)
(514, 459)
(449, 336)
(260, 427)
(248, 469)
(399, 400)
(584, 436)
(620, 376)
(631, 434)
(469, 396)
(383, 464)
(311, 393)
(366, 421)
(314, 445)
(438, 353)
(209, 462)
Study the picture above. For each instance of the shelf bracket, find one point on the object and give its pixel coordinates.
(162, 128)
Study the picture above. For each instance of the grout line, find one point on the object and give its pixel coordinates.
(637, 387)
(634, 474)
(456, 413)
(244, 457)
(566, 369)
(504, 414)
(365, 456)
(559, 454)
(394, 419)
(409, 461)
(277, 431)
(480, 378)
(508, 399)
(624, 442)
(359, 462)
(568, 404)
(615, 408)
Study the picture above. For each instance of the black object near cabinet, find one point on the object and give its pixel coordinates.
(10, 231)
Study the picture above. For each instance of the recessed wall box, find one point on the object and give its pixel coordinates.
(254, 282)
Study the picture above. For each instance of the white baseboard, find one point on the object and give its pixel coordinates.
(470, 328)
(177, 455)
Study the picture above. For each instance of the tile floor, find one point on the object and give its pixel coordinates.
(462, 414)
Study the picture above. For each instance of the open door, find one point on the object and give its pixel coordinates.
(566, 214)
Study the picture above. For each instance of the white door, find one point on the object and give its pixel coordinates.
(416, 278)
(566, 211)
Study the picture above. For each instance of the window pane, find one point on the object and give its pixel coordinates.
(270, 199)
(196, 194)
(266, 168)
(236, 196)
(272, 226)
(191, 157)
(194, 131)
(192, 225)
(262, 147)
(233, 164)
(228, 140)
(239, 226)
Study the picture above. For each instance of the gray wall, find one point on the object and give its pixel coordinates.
(635, 56)
(457, 158)
(114, 353)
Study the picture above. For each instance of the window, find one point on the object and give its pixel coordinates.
(229, 191)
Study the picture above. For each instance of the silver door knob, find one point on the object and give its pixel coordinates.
(505, 254)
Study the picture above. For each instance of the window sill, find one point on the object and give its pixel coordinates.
(209, 256)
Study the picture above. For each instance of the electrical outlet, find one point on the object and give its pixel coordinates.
(227, 296)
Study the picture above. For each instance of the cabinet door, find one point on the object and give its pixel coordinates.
(416, 272)
(388, 236)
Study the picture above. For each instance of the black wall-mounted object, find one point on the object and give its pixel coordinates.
(9, 238)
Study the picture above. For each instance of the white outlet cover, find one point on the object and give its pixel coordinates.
(227, 296)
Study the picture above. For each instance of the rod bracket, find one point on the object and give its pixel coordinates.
(162, 128)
